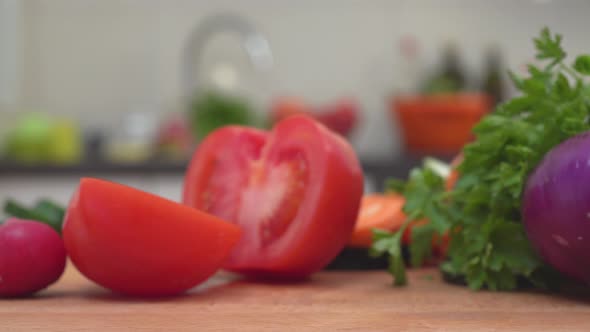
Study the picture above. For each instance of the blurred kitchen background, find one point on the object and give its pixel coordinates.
(125, 89)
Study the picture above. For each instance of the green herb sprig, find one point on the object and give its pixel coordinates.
(489, 247)
(45, 211)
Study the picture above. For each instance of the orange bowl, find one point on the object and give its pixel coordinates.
(438, 123)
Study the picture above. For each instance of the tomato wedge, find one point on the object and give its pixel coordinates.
(295, 192)
(380, 211)
(136, 243)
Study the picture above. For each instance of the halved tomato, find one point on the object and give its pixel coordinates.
(294, 191)
(140, 244)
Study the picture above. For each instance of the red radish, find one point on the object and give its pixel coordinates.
(32, 257)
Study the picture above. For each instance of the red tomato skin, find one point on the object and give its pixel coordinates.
(139, 244)
(331, 200)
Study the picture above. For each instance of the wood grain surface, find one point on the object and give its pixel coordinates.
(349, 301)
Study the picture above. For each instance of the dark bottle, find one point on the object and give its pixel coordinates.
(451, 77)
(492, 83)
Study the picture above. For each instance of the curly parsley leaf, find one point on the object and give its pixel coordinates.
(549, 47)
(488, 246)
(582, 64)
(390, 244)
(421, 202)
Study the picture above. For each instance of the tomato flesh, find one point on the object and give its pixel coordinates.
(140, 244)
(273, 195)
(294, 191)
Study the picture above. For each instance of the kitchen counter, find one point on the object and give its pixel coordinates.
(93, 167)
(332, 300)
(398, 168)
(29, 182)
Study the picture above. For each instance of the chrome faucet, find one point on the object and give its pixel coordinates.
(254, 43)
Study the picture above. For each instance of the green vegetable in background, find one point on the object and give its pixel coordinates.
(212, 110)
(44, 211)
(441, 85)
(29, 140)
(489, 247)
(41, 138)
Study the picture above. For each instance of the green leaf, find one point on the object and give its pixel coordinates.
(503, 280)
(382, 241)
(45, 212)
(535, 86)
(562, 87)
(421, 248)
(213, 109)
(514, 106)
(437, 218)
(395, 185)
(516, 80)
(476, 279)
(390, 244)
(50, 210)
(398, 270)
(489, 247)
(512, 249)
(582, 64)
(548, 46)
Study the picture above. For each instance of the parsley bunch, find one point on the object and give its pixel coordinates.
(489, 247)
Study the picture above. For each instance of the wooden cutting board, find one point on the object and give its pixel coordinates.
(363, 301)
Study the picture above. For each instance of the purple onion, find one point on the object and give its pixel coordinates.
(556, 207)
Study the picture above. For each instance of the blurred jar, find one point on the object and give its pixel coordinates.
(493, 83)
(132, 139)
(65, 142)
(174, 140)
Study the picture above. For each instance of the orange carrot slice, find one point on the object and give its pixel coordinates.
(381, 211)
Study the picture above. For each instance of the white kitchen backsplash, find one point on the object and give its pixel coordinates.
(93, 59)
(10, 53)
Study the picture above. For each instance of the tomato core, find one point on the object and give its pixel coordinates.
(265, 187)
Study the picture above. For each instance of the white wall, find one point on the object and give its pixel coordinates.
(93, 59)
(10, 53)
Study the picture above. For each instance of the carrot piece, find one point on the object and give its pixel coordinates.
(384, 211)
(381, 211)
(454, 176)
(440, 243)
